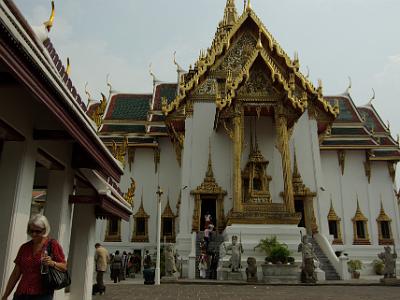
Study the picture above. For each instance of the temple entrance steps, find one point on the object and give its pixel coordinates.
(325, 264)
(213, 247)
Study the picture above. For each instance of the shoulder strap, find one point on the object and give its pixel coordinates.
(49, 247)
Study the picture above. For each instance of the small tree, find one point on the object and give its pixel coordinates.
(275, 251)
(266, 245)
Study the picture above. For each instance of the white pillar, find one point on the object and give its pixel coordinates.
(58, 210)
(17, 172)
(81, 255)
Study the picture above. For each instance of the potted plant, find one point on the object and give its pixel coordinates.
(378, 266)
(279, 266)
(354, 265)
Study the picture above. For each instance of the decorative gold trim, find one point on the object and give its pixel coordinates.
(109, 237)
(49, 23)
(120, 151)
(341, 158)
(333, 217)
(208, 187)
(141, 213)
(167, 213)
(130, 193)
(383, 217)
(98, 114)
(361, 218)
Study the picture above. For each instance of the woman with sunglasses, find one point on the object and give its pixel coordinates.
(32, 260)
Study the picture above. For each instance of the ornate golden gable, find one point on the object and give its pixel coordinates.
(222, 44)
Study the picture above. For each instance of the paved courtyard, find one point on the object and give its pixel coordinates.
(238, 292)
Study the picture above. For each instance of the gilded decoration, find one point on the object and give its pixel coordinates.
(255, 180)
(360, 228)
(209, 188)
(341, 158)
(333, 217)
(384, 227)
(207, 87)
(128, 196)
(113, 230)
(166, 216)
(222, 44)
(238, 54)
(120, 151)
(258, 84)
(141, 217)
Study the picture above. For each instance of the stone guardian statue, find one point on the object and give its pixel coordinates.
(307, 267)
(235, 250)
(389, 259)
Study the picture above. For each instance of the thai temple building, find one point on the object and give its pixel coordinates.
(242, 135)
(246, 137)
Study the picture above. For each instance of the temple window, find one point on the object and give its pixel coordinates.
(384, 228)
(168, 224)
(360, 228)
(334, 225)
(140, 232)
(113, 230)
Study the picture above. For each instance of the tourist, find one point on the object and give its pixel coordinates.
(207, 235)
(102, 259)
(147, 264)
(124, 265)
(116, 266)
(207, 220)
(32, 261)
(203, 265)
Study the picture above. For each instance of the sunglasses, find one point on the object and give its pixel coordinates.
(37, 231)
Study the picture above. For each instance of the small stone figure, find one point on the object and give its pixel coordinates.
(389, 259)
(307, 267)
(236, 254)
(251, 270)
(170, 267)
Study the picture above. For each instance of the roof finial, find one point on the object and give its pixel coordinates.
(296, 62)
(308, 72)
(373, 97)
(155, 80)
(87, 92)
(68, 69)
(49, 23)
(319, 89)
(248, 6)
(178, 67)
(108, 83)
(349, 86)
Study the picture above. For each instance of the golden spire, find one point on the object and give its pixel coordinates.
(49, 23)
(230, 14)
(248, 6)
(382, 214)
(332, 216)
(68, 70)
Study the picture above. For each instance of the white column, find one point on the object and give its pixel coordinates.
(58, 211)
(81, 255)
(157, 271)
(17, 172)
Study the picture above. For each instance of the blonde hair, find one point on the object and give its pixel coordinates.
(39, 221)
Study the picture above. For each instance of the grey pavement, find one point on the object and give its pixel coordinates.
(368, 288)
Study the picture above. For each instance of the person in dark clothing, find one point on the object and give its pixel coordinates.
(116, 266)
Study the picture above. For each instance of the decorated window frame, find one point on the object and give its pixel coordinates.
(334, 221)
(141, 236)
(360, 228)
(385, 234)
(168, 216)
(113, 230)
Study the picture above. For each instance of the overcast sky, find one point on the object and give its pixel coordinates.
(334, 38)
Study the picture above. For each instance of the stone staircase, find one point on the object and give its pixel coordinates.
(325, 264)
(213, 246)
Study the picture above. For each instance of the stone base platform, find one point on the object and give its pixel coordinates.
(390, 281)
